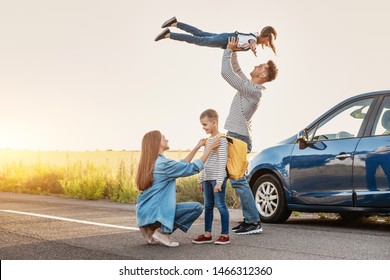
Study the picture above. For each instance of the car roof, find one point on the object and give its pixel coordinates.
(373, 93)
(346, 101)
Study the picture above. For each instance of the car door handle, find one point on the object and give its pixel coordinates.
(343, 156)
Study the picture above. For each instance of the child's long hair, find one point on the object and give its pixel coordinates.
(149, 152)
(270, 32)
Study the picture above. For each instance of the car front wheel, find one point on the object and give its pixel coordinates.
(270, 199)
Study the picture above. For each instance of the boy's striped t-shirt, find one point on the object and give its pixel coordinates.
(215, 166)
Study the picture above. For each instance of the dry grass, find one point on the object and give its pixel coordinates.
(87, 175)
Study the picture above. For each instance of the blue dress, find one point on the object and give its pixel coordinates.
(158, 203)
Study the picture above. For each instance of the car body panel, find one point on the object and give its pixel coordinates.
(319, 177)
(331, 175)
(271, 162)
(372, 172)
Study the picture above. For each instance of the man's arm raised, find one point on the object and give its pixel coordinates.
(231, 70)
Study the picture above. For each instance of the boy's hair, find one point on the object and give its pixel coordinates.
(271, 33)
(272, 71)
(211, 114)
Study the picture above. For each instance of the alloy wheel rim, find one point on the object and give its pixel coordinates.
(267, 199)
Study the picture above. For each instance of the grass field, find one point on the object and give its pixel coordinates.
(87, 175)
(63, 158)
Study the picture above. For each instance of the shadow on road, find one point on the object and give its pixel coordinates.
(333, 220)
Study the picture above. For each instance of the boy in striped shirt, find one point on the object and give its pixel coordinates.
(212, 182)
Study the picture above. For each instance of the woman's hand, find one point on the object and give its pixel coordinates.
(215, 143)
(218, 188)
(201, 143)
(211, 147)
(191, 155)
(200, 187)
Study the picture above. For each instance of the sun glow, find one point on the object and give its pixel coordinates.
(6, 142)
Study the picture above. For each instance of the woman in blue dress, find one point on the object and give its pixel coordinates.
(158, 214)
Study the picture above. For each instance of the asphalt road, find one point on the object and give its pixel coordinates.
(49, 228)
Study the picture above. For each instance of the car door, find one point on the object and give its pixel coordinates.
(372, 162)
(321, 172)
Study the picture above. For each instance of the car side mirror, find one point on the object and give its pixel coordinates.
(302, 139)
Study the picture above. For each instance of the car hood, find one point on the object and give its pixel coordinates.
(289, 140)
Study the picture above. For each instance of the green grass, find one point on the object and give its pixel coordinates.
(99, 175)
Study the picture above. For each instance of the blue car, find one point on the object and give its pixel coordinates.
(339, 163)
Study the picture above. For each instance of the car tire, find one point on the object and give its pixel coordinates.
(270, 199)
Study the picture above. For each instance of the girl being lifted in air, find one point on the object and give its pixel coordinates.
(198, 37)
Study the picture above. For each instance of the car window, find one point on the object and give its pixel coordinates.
(344, 123)
(382, 122)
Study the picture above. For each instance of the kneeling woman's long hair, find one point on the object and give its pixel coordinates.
(149, 153)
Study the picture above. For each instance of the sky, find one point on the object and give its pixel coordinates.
(87, 74)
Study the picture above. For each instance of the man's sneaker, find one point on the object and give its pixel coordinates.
(237, 227)
(249, 229)
(222, 240)
(201, 239)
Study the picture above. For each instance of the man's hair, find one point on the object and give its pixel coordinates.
(272, 71)
(211, 114)
(271, 33)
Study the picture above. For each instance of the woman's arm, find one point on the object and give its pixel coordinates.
(176, 169)
(212, 146)
(206, 153)
(191, 155)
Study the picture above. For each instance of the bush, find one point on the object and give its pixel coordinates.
(187, 190)
(45, 179)
(12, 177)
(84, 182)
(232, 198)
(39, 179)
(122, 188)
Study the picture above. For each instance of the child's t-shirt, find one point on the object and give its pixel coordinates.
(215, 166)
(243, 40)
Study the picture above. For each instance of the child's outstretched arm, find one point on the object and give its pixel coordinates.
(253, 45)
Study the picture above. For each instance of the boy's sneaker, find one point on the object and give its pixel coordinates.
(237, 227)
(222, 240)
(249, 229)
(201, 239)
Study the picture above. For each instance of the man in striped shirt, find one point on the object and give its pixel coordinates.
(238, 123)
